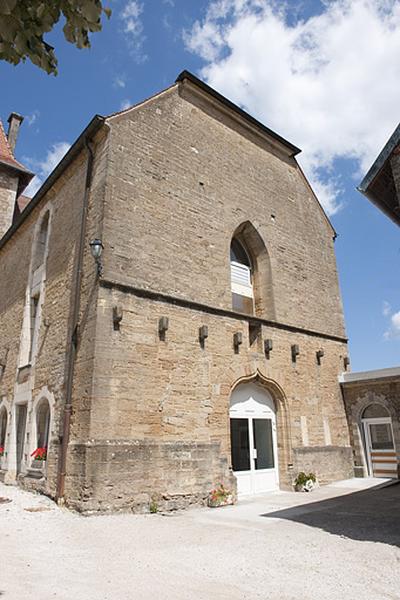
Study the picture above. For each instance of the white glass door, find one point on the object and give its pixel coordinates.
(381, 452)
(253, 455)
(253, 441)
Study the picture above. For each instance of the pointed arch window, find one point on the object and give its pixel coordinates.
(43, 424)
(41, 242)
(3, 429)
(241, 278)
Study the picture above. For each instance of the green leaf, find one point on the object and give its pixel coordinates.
(24, 22)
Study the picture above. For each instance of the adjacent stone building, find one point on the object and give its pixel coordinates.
(204, 345)
(372, 398)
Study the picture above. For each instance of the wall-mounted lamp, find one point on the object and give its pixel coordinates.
(319, 354)
(96, 248)
(295, 352)
(163, 324)
(203, 334)
(237, 340)
(117, 317)
(267, 347)
(346, 362)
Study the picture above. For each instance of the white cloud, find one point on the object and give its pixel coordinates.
(329, 82)
(393, 330)
(119, 81)
(133, 28)
(32, 118)
(386, 309)
(125, 104)
(43, 168)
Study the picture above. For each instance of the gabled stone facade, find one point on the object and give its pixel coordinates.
(166, 186)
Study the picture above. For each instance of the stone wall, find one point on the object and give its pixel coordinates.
(183, 180)
(358, 395)
(8, 190)
(329, 463)
(45, 376)
(160, 408)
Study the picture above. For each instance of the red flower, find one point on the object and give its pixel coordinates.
(40, 453)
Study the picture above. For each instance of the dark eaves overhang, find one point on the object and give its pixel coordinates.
(94, 126)
(378, 185)
(186, 75)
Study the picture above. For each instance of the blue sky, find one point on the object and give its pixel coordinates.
(323, 74)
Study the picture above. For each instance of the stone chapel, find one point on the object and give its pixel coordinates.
(170, 313)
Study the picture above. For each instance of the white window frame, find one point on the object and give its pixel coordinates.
(241, 279)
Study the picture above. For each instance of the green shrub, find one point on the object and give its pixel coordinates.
(302, 478)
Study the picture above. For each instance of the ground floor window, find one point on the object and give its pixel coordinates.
(39, 454)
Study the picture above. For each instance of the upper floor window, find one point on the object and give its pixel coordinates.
(35, 299)
(241, 278)
(40, 242)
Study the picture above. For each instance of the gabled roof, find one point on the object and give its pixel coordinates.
(8, 160)
(293, 150)
(98, 121)
(378, 184)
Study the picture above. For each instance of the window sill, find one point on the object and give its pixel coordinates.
(24, 373)
(36, 472)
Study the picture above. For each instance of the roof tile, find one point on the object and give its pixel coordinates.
(6, 155)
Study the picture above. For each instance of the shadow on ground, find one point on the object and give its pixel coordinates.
(370, 515)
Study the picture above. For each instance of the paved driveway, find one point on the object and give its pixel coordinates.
(339, 542)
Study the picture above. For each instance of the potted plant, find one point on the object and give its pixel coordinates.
(305, 482)
(39, 456)
(1, 451)
(220, 496)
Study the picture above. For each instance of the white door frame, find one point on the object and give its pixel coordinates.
(374, 421)
(250, 409)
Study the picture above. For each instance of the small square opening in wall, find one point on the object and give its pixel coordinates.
(254, 334)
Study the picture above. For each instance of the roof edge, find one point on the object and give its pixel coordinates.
(76, 147)
(357, 376)
(209, 90)
(382, 157)
(16, 166)
(380, 206)
(334, 232)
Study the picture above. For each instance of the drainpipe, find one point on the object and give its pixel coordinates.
(74, 337)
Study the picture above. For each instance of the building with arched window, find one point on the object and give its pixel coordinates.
(202, 345)
(372, 398)
(372, 401)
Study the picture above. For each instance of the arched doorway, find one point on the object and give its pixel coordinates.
(378, 434)
(253, 439)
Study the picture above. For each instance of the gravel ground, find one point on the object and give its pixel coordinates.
(339, 542)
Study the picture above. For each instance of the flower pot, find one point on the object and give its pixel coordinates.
(38, 464)
(221, 501)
